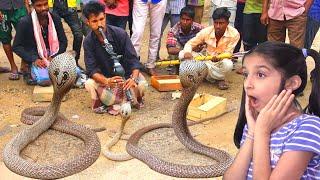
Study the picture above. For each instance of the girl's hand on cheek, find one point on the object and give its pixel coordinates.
(251, 116)
(275, 113)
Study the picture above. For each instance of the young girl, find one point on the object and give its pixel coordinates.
(277, 139)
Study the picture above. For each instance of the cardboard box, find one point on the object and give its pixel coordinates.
(43, 94)
(206, 106)
(166, 82)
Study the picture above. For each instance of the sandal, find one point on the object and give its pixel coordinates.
(100, 110)
(114, 110)
(14, 76)
(28, 79)
(4, 70)
(222, 85)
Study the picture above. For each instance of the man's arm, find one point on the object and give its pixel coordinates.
(26, 3)
(264, 19)
(93, 69)
(19, 42)
(307, 5)
(172, 43)
(194, 42)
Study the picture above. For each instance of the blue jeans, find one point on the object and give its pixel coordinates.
(311, 31)
(118, 21)
(174, 19)
(70, 16)
(253, 31)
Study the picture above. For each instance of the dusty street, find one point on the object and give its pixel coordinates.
(54, 147)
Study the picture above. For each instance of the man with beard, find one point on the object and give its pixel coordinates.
(106, 85)
(182, 32)
(39, 37)
(219, 38)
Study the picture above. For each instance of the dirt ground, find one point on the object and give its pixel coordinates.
(53, 146)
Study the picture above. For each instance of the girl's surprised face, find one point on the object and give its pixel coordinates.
(261, 81)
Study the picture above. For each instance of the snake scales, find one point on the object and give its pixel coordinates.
(191, 75)
(62, 72)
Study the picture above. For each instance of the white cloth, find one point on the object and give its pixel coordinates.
(218, 70)
(231, 6)
(139, 14)
(52, 37)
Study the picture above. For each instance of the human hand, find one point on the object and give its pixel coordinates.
(199, 47)
(115, 81)
(130, 83)
(264, 18)
(40, 63)
(111, 4)
(187, 56)
(251, 116)
(275, 113)
(49, 59)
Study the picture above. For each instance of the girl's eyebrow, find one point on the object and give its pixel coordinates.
(262, 66)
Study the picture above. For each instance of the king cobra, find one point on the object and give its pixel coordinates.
(62, 72)
(191, 75)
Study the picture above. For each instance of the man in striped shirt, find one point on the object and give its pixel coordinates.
(182, 32)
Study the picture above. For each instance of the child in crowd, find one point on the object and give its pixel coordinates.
(277, 138)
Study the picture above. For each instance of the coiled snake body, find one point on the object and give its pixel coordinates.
(191, 75)
(62, 72)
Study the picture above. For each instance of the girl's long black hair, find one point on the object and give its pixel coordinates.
(290, 61)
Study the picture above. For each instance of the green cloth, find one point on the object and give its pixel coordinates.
(196, 2)
(10, 17)
(253, 6)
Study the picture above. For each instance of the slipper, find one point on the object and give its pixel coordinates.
(4, 70)
(114, 109)
(222, 85)
(14, 76)
(28, 79)
(100, 110)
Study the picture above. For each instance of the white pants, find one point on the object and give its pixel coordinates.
(139, 15)
(218, 70)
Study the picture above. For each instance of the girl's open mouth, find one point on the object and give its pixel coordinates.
(253, 101)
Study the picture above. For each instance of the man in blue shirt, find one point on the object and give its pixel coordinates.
(313, 23)
(104, 86)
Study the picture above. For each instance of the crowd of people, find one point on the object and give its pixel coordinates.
(271, 125)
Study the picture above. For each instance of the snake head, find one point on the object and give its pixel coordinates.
(62, 71)
(125, 110)
(192, 72)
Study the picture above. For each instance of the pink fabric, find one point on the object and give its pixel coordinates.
(121, 10)
(289, 9)
(52, 37)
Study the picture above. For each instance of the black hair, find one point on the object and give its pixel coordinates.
(188, 11)
(221, 12)
(93, 8)
(290, 61)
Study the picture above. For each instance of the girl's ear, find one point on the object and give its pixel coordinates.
(293, 83)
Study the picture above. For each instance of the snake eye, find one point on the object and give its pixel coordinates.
(56, 72)
(65, 76)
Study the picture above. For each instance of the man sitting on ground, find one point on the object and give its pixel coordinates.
(104, 86)
(39, 37)
(219, 38)
(182, 32)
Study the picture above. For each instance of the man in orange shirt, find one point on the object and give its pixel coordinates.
(218, 38)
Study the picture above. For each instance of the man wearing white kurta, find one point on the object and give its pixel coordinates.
(141, 8)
